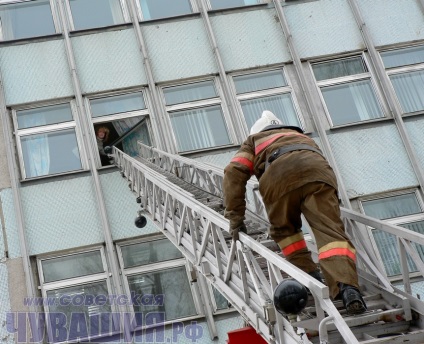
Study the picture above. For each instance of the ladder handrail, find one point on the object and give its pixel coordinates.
(191, 226)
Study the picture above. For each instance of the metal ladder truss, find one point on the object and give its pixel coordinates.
(184, 198)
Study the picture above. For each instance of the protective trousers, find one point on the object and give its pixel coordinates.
(319, 204)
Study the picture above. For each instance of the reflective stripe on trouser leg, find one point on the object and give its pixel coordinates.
(336, 252)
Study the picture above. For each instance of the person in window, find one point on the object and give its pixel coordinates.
(102, 136)
(295, 178)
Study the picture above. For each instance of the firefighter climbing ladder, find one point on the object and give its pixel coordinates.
(184, 198)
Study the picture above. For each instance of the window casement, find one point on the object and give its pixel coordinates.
(221, 4)
(405, 68)
(91, 14)
(196, 116)
(76, 296)
(267, 90)
(404, 209)
(155, 9)
(156, 276)
(123, 117)
(347, 90)
(48, 140)
(27, 19)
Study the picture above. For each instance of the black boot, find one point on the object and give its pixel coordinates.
(352, 299)
(317, 275)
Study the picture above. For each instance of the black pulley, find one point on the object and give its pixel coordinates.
(290, 297)
(140, 221)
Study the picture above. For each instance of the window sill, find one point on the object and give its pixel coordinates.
(28, 40)
(94, 30)
(362, 123)
(54, 177)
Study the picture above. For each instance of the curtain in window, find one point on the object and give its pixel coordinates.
(281, 106)
(366, 105)
(409, 89)
(339, 68)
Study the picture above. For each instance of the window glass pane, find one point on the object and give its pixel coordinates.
(190, 92)
(75, 265)
(153, 9)
(388, 248)
(95, 13)
(220, 301)
(172, 284)
(50, 153)
(199, 128)
(218, 4)
(280, 105)
(123, 134)
(409, 89)
(149, 252)
(351, 102)
(26, 19)
(390, 207)
(44, 116)
(117, 104)
(338, 68)
(260, 81)
(72, 311)
(403, 57)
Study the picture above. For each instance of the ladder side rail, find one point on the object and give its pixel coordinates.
(221, 224)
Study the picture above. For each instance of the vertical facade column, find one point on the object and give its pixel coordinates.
(221, 70)
(389, 95)
(81, 113)
(159, 124)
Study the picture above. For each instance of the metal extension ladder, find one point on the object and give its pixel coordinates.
(184, 198)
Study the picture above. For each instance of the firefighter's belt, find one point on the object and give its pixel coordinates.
(283, 150)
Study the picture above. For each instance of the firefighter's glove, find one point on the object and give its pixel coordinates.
(235, 231)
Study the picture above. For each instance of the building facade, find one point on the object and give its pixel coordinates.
(189, 77)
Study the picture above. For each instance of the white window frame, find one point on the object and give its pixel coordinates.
(193, 4)
(216, 101)
(53, 13)
(122, 115)
(75, 281)
(402, 70)
(125, 15)
(394, 221)
(72, 124)
(264, 93)
(345, 80)
(155, 267)
(227, 8)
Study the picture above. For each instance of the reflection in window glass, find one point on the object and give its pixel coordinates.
(218, 4)
(172, 284)
(190, 92)
(153, 9)
(259, 81)
(72, 266)
(51, 152)
(391, 207)
(199, 128)
(351, 102)
(26, 19)
(43, 116)
(281, 105)
(149, 252)
(339, 68)
(71, 308)
(409, 89)
(403, 57)
(95, 13)
(117, 104)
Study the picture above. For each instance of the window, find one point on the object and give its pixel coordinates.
(26, 19)
(77, 289)
(154, 9)
(218, 4)
(156, 278)
(405, 68)
(404, 210)
(265, 91)
(196, 116)
(119, 120)
(347, 90)
(47, 140)
(96, 13)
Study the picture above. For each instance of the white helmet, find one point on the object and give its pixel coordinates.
(267, 118)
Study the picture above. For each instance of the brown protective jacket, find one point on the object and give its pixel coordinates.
(288, 172)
